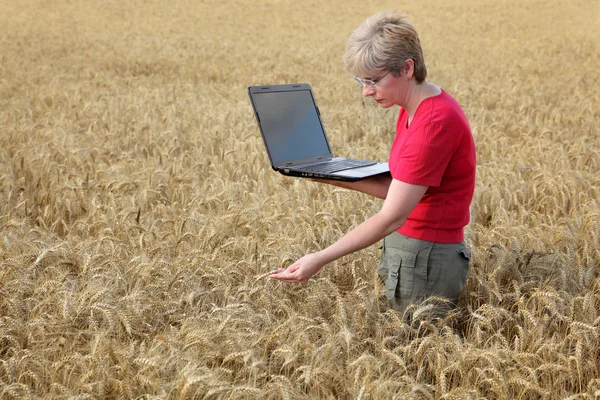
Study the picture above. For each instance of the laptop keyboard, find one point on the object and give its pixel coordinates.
(337, 165)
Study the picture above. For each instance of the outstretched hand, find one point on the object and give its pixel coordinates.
(300, 271)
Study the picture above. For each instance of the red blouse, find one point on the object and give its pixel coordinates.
(437, 150)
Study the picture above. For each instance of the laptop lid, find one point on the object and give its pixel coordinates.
(290, 124)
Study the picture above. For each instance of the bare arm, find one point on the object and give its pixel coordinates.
(376, 186)
(400, 201)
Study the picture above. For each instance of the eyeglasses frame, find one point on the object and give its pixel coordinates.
(371, 82)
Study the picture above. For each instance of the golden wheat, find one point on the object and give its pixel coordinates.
(140, 218)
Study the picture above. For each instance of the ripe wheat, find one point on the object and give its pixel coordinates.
(140, 218)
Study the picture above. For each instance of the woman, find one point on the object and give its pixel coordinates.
(432, 166)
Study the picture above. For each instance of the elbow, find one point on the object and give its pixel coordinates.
(394, 222)
(397, 224)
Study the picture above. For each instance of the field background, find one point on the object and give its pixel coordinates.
(139, 216)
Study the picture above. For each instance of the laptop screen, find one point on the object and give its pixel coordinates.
(290, 124)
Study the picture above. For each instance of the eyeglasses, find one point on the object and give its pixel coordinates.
(371, 82)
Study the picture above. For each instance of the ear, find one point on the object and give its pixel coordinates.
(409, 68)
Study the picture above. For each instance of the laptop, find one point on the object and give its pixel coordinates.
(290, 123)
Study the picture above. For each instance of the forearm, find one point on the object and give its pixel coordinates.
(376, 186)
(369, 232)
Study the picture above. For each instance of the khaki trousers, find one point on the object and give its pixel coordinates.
(414, 270)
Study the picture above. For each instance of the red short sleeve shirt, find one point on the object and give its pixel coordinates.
(436, 150)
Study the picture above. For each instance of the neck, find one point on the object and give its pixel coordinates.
(416, 94)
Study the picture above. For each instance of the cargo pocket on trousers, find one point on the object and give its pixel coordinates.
(401, 273)
(465, 258)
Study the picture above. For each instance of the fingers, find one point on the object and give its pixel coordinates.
(286, 279)
(291, 274)
(284, 276)
(276, 271)
(291, 268)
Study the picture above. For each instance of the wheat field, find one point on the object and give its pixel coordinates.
(139, 216)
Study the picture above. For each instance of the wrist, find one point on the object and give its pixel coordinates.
(324, 257)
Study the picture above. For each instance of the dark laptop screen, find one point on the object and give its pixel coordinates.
(290, 125)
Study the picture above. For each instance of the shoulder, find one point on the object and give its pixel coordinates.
(442, 114)
(445, 109)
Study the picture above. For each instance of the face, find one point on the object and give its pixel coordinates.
(389, 90)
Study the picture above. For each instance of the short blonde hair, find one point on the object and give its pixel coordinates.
(384, 42)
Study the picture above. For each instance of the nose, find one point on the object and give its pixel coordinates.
(368, 90)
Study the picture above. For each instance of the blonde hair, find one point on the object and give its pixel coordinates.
(384, 42)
